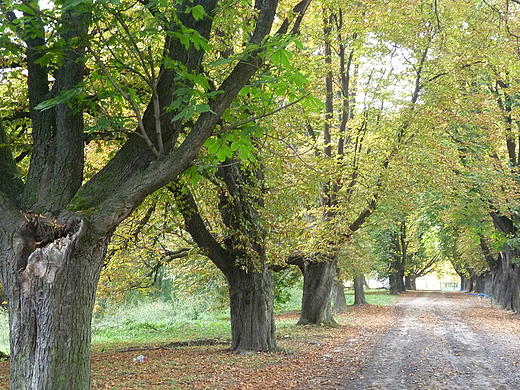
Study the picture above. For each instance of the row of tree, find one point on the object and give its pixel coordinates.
(382, 131)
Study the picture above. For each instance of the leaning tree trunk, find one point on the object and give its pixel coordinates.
(51, 293)
(359, 291)
(318, 278)
(251, 308)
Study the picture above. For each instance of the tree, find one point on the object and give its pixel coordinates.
(485, 129)
(365, 127)
(356, 258)
(55, 229)
(241, 255)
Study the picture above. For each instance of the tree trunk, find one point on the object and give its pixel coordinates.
(409, 282)
(249, 280)
(396, 277)
(400, 279)
(505, 282)
(251, 308)
(359, 291)
(318, 278)
(392, 289)
(51, 293)
(340, 303)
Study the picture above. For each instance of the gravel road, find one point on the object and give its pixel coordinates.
(434, 344)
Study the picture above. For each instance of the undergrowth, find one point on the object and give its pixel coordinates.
(160, 322)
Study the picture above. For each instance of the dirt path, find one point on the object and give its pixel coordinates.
(439, 341)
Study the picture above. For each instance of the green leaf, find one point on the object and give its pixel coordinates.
(281, 57)
(63, 97)
(235, 145)
(214, 146)
(221, 61)
(185, 114)
(71, 4)
(202, 108)
(197, 12)
(224, 152)
(298, 44)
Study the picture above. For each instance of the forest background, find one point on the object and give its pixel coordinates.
(180, 150)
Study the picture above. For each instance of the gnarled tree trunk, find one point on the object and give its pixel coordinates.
(51, 302)
(506, 289)
(240, 256)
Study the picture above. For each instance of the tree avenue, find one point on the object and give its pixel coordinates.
(383, 132)
(138, 69)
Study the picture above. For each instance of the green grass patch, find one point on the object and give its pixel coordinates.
(373, 297)
(158, 322)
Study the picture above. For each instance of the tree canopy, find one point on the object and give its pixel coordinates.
(272, 142)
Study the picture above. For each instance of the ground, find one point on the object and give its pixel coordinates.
(425, 341)
(449, 341)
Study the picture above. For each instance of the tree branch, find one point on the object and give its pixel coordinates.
(237, 125)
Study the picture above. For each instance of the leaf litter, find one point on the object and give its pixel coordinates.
(346, 357)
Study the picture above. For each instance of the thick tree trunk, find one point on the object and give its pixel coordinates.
(396, 283)
(392, 289)
(251, 307)
(359, 291)
(249, 280)
(506, 290)
(318, 278)
(409, 282)
(400, 280)
(340, 302)
(51, 295)
(396, 278)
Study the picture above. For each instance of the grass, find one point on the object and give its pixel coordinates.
(373, 297)
(159, 322)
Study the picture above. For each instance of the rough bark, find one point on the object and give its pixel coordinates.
(318, 278)
(505, 291)
(50, 305)
(393, 288)
(10, 184)
(251, 307)
(54, 234)
(359, 291)
(396, 278)
(410, 282)
(340, 302)
(240, 256)
(505, 273)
